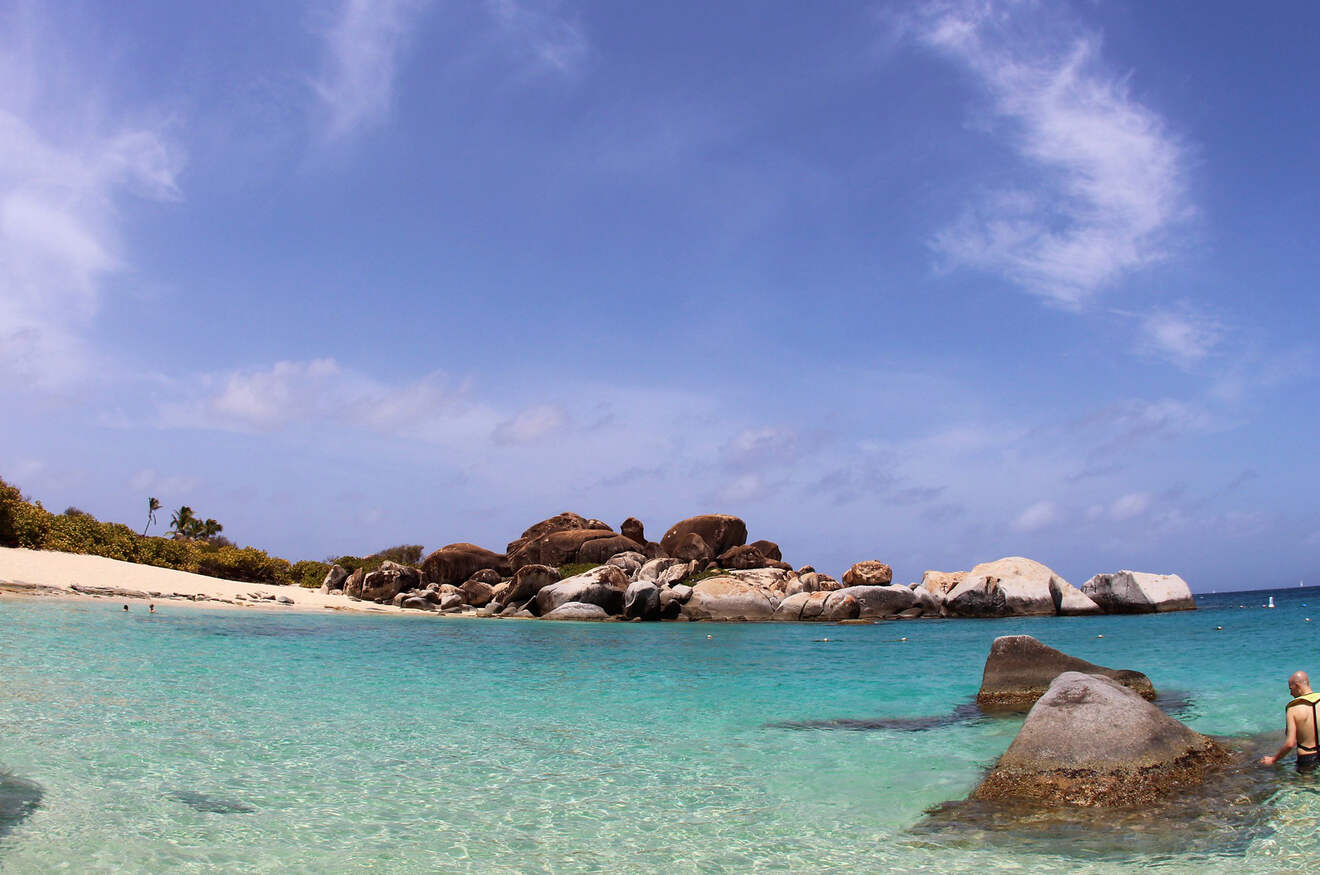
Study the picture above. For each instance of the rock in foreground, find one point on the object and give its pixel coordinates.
(1020, 669)
(1090, 741)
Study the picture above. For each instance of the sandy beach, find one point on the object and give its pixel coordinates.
(48, 574)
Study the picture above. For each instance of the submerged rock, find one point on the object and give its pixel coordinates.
(1020, 669)
(1090, 741)
(19, 798)
(1135, 592)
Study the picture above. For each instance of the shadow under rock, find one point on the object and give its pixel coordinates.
(19, 798)
(210, 804)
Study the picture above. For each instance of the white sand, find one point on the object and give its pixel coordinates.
(25, 571)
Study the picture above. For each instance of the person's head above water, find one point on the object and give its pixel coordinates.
(1299, 683)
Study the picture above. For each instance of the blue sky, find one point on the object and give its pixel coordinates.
(931, 283)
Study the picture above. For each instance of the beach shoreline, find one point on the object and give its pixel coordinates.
(47, 574)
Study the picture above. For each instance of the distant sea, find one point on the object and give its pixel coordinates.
(200, 740)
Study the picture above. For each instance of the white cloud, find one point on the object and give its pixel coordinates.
(62, 174)
(553, 42)
(363, 46)
(1180, 336)
(1106, 176)
(532, 425)
(1040, 515)
(1128, 506)
(321, 393)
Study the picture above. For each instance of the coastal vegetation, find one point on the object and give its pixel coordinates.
(197, 546)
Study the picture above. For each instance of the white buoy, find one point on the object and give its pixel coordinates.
(1271, 604)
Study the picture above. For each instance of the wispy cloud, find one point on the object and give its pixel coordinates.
(1107, 177)
(551, 40)
(531, 425)
(363, 46)
(1181, 336)
(1126, 507)
(1038, 516)
(322, 393)
(62, 174)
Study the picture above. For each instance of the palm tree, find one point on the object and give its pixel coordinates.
(153, 505)
(183, 522)
(210, 529)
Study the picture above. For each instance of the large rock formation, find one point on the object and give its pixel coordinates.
(557, 523)
(455, 563)
(601, 550)
(1135, 592)
(559, 547)
(1090, 741)
(719, 531)
(728, 598)
(1012, 586)
(1020, 669)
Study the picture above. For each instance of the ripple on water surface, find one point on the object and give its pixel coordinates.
(411, 744)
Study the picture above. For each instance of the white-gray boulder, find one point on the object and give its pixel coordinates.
(727, 598)
(576, 611)
(1013, 586)
(1136, 592)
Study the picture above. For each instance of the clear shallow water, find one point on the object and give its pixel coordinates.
(196, 741)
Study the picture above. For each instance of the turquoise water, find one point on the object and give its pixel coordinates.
(198, 741)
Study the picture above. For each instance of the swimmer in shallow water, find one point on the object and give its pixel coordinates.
(1300, 725)
(125, 607)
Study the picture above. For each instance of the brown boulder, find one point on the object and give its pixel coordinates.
(388, 581)
(742, 557)
(455, 563)
(632, 528)
(557, 523)
(527, 582)
(556, 548)
(770, 550)
(353, 583)
(691, 547)
(869, 573)
(1020, 669)
(718, 530)
(476, 592)
(601, 550)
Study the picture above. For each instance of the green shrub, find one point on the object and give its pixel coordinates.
(694, 579)
(404, 554)
(247, 564)
(575, 568)
(309, 573)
